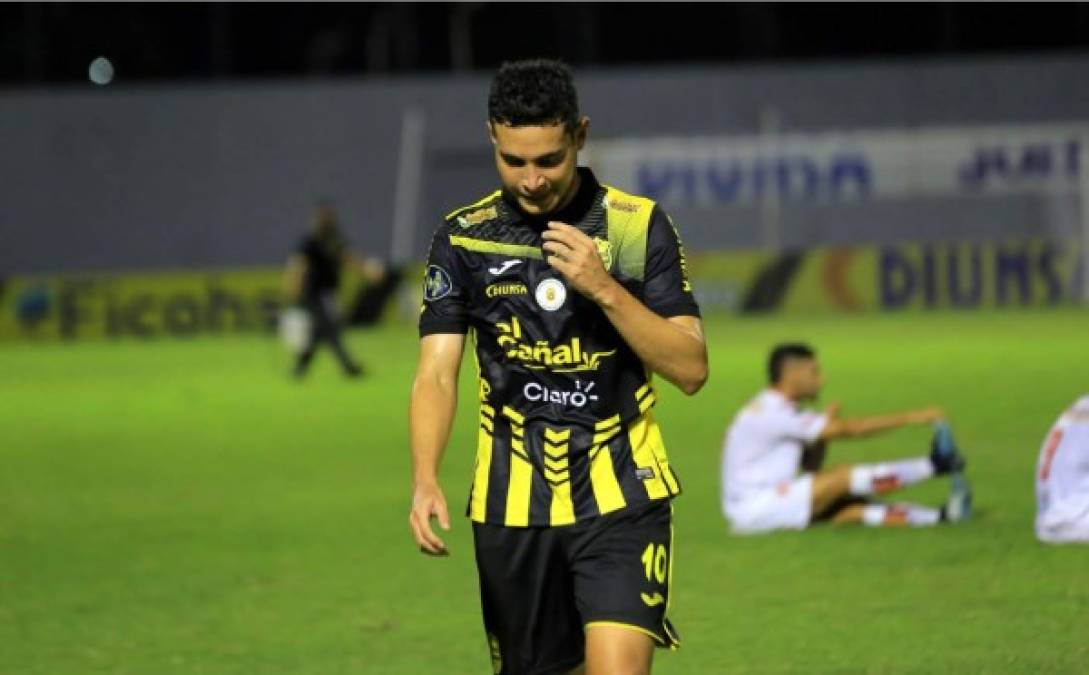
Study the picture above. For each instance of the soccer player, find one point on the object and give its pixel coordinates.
(312, 278)
(1062, 478)
(575, 293)
(771, 465)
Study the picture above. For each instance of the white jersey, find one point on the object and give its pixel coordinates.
(764, 444)
(1062, 477)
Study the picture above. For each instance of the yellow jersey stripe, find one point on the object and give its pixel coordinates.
(513, 415)
(479, 501)
(647, 402)
(556, 436)
(477, 203)
(496, 247)
(551, 450)
(674, 639)
(519, 448)
(518, 492)
(603, 437)
(555, 464)
(556, 476)
(606, 423)
(657, 444)
(641, 437)
(603, 480)
(563, 508)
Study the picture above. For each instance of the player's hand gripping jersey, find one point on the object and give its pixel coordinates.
(566, 431)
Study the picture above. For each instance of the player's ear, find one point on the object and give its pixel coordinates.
(491, 132)
(582, 131)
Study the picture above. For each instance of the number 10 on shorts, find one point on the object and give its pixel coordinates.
(656, 562)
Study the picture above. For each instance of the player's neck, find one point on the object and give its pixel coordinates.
(573, 190)
(784, 392)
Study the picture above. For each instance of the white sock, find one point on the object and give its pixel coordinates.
(870, 479)
(886, 515)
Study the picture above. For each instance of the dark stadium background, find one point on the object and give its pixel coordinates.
(53, 42)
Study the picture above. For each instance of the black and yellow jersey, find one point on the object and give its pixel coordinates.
(566, 430)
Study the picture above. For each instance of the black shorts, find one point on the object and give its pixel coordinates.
(541, 586)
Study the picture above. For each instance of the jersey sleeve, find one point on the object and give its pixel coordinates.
(799, 425)
(446, 292)
(667, 290)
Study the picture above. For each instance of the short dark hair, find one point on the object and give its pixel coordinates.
(786, 352)
(535, 92)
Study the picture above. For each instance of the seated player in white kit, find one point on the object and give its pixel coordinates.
(1062, 478)
(771, 475)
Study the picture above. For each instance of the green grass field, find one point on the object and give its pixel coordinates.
(183, 507)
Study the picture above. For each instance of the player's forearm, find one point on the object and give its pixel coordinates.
(868, 426)
(431, 415)
(676, 354)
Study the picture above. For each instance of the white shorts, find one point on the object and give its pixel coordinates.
(1069, 523)
(786, 507)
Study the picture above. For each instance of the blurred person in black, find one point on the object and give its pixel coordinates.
(312, 279)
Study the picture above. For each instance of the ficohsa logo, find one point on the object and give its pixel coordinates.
(173, 305)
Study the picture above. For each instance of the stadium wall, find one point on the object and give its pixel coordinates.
(123, 178)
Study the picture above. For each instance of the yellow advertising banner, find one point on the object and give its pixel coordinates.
(145, 305)
(901, 277)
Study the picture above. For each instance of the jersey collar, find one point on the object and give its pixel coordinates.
(574, 212)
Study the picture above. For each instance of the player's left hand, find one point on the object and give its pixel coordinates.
(575, 256)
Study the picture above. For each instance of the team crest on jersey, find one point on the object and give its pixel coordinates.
(437, 283)
(551, 294)
(605, 250)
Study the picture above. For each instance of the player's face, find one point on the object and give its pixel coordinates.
(325, 220)
(812, 379)
(537, 165)
(806, 378)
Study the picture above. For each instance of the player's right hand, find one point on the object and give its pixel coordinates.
(428, 502)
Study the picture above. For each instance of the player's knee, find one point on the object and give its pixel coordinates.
(833, 478)
(618, 652)
(617, 667)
